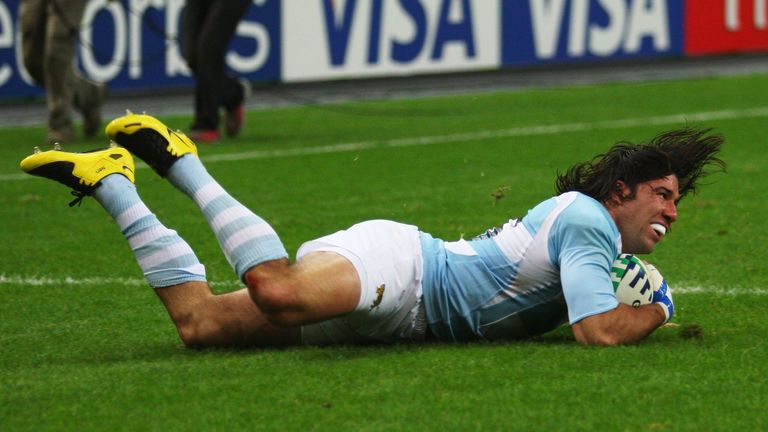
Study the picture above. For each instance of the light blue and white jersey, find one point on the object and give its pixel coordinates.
(529, 277)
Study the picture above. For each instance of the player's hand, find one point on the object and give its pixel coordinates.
(663, 297)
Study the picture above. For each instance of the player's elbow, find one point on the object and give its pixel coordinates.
(594, 331)
(598, 339)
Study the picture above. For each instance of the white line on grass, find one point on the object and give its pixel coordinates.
(103, 281)
(90, 281)
(685, 118)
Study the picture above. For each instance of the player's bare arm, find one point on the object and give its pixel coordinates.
(623, 325)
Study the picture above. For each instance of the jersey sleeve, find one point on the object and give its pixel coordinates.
(586, 244)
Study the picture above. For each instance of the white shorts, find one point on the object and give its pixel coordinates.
(387, 257)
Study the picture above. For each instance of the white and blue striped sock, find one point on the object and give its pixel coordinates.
(245, 238)
(164, 257)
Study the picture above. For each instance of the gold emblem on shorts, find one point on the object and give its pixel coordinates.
(379, 296)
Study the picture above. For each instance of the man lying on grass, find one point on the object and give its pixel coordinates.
(385, 281)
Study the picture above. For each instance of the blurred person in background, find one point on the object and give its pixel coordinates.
(209, 26)
(49, 31)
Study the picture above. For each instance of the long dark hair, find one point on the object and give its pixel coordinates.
(684, 152)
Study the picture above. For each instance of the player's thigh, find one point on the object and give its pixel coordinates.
(387, 259)
(326, 285)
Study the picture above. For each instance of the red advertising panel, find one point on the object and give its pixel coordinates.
(722, 26)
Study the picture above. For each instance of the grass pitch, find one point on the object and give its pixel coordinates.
(87, 346)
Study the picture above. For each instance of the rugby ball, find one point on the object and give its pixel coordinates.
(656, 278)
(633, 280)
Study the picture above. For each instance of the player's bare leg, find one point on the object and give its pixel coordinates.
(169, 264)
(204, 319)
(318, 287)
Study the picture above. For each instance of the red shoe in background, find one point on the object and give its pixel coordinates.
(235, 118)
(204, 135)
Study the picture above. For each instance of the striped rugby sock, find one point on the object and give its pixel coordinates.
(164, 257)
(245, 238)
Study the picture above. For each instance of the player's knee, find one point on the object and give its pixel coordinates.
(273, 292)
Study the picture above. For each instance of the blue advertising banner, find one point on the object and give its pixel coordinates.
(137, 45)
(557, 31)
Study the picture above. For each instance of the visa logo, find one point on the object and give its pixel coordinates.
(598, 27)
(399, 30)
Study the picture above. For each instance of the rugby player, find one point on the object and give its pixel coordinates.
(383, 281)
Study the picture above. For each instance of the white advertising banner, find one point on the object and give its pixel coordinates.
(332, 39)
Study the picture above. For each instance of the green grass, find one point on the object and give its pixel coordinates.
(92, 356)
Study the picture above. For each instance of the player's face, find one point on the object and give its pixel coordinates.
(644, 220)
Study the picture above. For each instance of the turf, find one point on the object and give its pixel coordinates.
(87, 346)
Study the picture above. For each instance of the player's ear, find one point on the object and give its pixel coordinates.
(619, 193)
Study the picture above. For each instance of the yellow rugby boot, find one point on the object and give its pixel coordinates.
(151, 140)
(82, 172)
